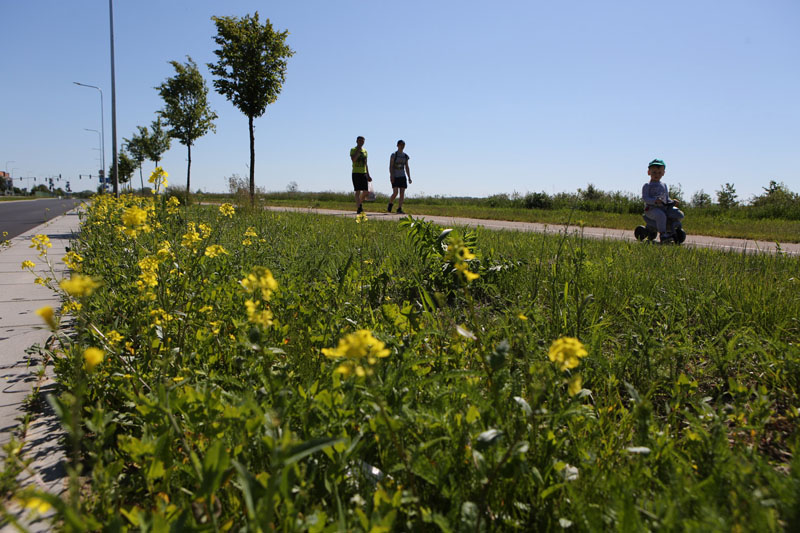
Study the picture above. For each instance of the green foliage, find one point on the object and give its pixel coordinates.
(250, 69)
(157, 141)
(127, 166)
(200, 419)
(726, 196)
(186, 111)
(701, 199)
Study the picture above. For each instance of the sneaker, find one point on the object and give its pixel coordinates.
(666, 238)
(400, 211)
(389, 208)
(359, 210)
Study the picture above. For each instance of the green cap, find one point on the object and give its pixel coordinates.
(656, 163)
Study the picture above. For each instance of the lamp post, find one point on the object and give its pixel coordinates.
(102, 127)
(102, 180)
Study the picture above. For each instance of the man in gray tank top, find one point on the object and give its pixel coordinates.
(398, 170)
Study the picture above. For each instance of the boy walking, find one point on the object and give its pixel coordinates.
(398, 170)
(361, 175)
(659, 207)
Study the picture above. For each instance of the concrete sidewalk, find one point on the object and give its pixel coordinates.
(21, 370)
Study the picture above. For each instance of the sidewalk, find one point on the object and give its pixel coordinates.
(21, 372)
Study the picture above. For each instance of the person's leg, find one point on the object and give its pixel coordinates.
(391, 200)
(402, 197)
(358, 197)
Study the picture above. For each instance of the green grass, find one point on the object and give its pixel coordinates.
(697, 222)
(200, 417)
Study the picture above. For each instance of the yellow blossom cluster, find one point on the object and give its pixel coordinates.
(158, 178)
(227, 210)
(259, 282)
(165, 251)
(191, 237)
(92, 357)
(159, 317)
(134, 219)
(73, 260)
(361, 217)
(172, 205)
(49, 316)
(205, 230)
(566, 352)
(360, 346)
(459, 255)
(149, 276)
(41, 243)
(30, 265)
(79, 285)
(251, 232)
(214, 250)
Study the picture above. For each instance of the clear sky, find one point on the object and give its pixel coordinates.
(490, 97)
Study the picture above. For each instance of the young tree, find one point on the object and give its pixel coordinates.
(186, 109)
(137, 147)
(158, 141)
(127, 166)
(250, 70)
(726, 196)
(701, 199)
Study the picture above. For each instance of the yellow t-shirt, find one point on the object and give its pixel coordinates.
(360, 164)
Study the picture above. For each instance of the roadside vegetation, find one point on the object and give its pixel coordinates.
(230, 369)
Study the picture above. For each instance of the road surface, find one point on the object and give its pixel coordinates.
(17, 217)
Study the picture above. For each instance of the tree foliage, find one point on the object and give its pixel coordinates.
(127, 165)
(726, 196)
(158, 141)
(186, 111)
(250, 68)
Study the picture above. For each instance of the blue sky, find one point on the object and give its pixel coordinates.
(490, 97)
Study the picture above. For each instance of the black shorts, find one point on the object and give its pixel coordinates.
(360, 181)
(400, 183)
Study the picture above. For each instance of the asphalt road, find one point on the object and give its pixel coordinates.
(17, 217)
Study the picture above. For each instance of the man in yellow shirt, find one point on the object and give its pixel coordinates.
(361, 175)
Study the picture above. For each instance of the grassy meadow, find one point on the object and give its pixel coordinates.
(609, 210)
(235, 370)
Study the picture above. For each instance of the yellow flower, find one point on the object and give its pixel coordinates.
(251, 232)
(41, 281)
(260, 279)
(158, 178)
(361, 217)
(206, 309)
(227, 210)
(522, 317)
(575, 385)
(566, 352)
(91, 358)
(71, 306)
(214, 250)
(28, 264)
(149, 275)
(49, 316)
(113, 337)
(258, 315)
(37, 504)
(191, 237)
(247, 242)
(133, 217)
(464, 271)
(205, 230)
(358, 345)
(73, 260)
(79, 285)
(41, 243)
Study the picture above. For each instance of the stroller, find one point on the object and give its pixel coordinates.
(649, 231)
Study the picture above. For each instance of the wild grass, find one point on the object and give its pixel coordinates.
(683, 415)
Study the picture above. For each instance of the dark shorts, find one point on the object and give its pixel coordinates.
(359, 181)
(400, 183)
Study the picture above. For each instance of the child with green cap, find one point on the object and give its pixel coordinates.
(659, 207)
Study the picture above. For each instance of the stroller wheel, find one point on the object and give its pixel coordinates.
(640, 233)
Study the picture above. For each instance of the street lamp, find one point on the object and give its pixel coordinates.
(102, 180)
(102, 127)
(7, 162)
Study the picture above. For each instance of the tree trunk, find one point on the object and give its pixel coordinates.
(188, 172)
(252, 163)
(141, 178)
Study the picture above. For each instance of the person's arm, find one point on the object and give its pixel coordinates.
(408, 171)
(354, 153)
(649, 200)
(366, 167)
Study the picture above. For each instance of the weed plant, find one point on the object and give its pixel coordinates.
(261, 371)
